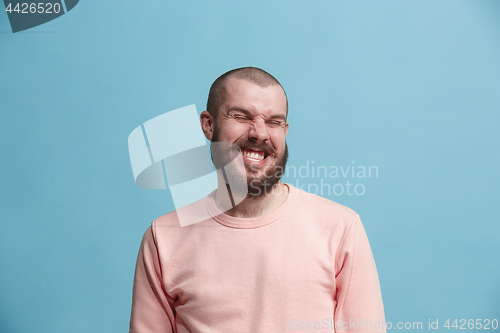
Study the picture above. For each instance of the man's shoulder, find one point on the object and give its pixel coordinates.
(322, 208)
(169, 219)
(195, 212)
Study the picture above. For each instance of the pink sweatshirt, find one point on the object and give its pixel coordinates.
(305, 267)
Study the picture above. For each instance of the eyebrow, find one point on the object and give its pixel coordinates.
(236, 108)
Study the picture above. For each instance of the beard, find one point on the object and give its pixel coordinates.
(257, 186)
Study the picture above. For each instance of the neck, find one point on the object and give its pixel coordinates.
(253, 206)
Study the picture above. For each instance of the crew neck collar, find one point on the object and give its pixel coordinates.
(252, 222)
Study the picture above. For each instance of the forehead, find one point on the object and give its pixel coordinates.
(240, 93)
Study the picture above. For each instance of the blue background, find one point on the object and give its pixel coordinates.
(411, 87)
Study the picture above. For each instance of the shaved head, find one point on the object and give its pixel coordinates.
(258, 76)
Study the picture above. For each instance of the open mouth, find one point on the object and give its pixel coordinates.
(254, 155)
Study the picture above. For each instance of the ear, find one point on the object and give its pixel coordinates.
(286, 129)
(207, 124)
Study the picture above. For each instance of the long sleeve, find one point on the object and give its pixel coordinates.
(359, 305)
(152, 308)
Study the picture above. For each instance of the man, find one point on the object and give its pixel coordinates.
(281, 260)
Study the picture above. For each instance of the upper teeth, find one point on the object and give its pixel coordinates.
(257, 156)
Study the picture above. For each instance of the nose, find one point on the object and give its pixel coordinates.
(258, 131)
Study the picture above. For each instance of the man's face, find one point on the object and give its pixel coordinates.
(254, 118)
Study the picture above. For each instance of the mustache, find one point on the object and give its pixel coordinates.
(245, 144)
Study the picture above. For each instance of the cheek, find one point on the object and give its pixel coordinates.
(236, 130)
(278, 141)
(225, 130)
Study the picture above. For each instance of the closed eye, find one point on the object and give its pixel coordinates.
(276, 123)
